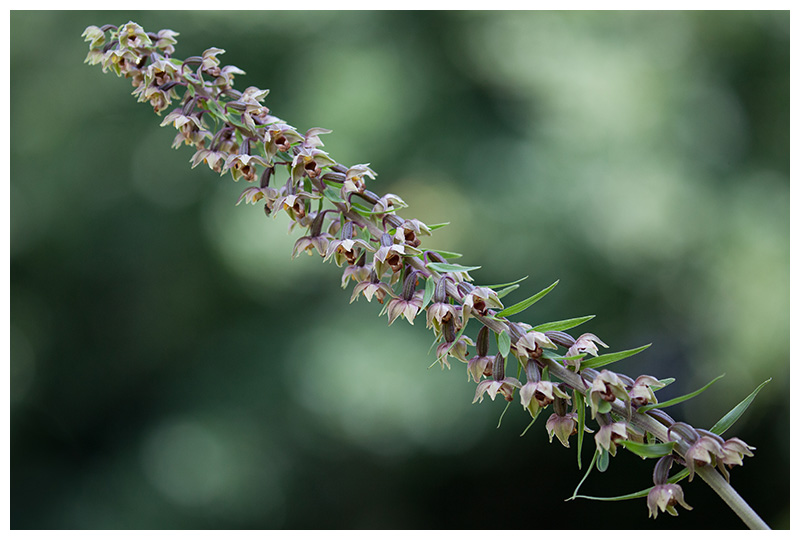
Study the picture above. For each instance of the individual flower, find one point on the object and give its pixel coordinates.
(316, 239)
(354, 179)
(357, 272)
(213, 158)
(389, 254)
(95, 35)
(562, 426)
(388, 203)
(479, 300)
(209, 61)
(243, 165)
(479, 367)
(733, 450)
(703, 452)
(132, 36)
(665, 497)
(279, 138)
(165, 40)
(530, 344)
(499, 383)
(452, 345)
(408, 232)
(609, 434)
(311, 138)
(641, 392)
(309, 162)
(407, 307)
(294, 204)
(606, 388)
(440, 313)
(585, 344)
(536, 395)
(254, 194)
(702, 449)
(344, 250)
(370, 288)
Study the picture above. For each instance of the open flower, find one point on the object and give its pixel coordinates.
(354, 179)
(407, 307)
(479, 299)
(641, 392)
(344, 250)
(531, 343)
(254, 194)
(309, 162)
(609, 434)
(585, 344)
(479, 367)
(563, 427)
(410, 230)
(539, 394)
(733, 450)
(606, 388)
(243, 166)
(665, 497)
(498, 383)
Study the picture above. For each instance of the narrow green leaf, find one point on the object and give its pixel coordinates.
(674, 479)
(566, 324)
(332, 195)
(603, 460)
(438, 226)
(666, 382)
(525, 304)
(430, 287)
(524, 431)
(679, 399)
(500, 285)
(447, 254)
(503, 343)
(605, 359)
(646, 451)
(729, 419)
(447, 267)
(585, 476)
(553, 355)
(580, 406)
(500, 421)
(503, 292)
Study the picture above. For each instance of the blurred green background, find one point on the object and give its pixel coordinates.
(171, 367)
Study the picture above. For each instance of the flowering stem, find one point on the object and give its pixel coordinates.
(249, 138)
(709, 475)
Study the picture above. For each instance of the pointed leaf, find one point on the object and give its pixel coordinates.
(438, 226)
(502, 414)
(665, 382)
(504, 343)
(728, 420)
(566, 324)
(581, 410)
(528, 302)
(332, 195)
(605, 359)
(500, 285)
(585, 476)
(674, 479)
(430, 287)
(503, 292)
(646, 451)
(677, 400)
(447, 267)
(447, 254)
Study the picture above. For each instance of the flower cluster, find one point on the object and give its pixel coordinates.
(233, 132)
